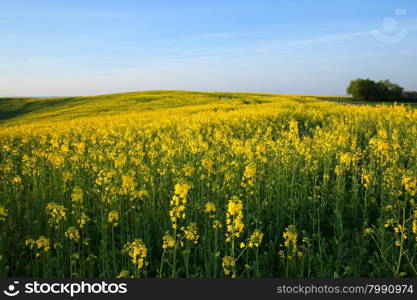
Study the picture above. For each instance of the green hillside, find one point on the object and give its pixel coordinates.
(16, 111)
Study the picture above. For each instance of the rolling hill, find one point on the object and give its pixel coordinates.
(17, 111)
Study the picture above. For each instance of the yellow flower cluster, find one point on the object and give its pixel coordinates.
(178, 203)
(113, 218)
(410, 184)
(56, 213)
(168, 241)
(181, 190)
(210, 207)
(124, 274)
(77, 195)
(228, 264)
(137, 251)
(191, 233)
(217, 224)
(414, 224)
(72, 233)
(290, 237)
(82, 220)
(77, 199)
(255, 239)
(399, 229)
(17, 179)
(368, 231)
(234, 218)
(248, 179)
(128, 184)
(3, 213)
(402, 234)
(42, 244)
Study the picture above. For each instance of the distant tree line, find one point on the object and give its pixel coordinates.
(384, 90)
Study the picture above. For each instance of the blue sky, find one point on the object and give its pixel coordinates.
(59, 48)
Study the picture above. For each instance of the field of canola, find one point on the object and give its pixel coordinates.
(216, 185)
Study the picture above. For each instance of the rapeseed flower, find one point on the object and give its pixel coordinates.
(137, 251)
(72, 233)
(113, 218)
(3, 213)
(56, 213)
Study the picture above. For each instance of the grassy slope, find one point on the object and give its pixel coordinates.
(16, 111)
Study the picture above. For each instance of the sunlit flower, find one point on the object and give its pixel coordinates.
(234, 218)
(113, 218)
(210, 207)
(137, 251)
(56, 213)
(3, 213)
(255, 239)
(41, 245)
(228, 264)
(168, 241)
(191, 232)
(72, 233)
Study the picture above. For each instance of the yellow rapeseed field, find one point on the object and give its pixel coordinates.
(254, 186)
